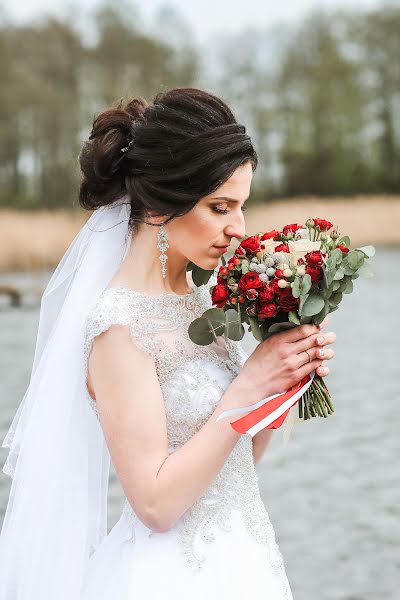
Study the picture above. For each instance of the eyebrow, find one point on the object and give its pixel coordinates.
(227, 198)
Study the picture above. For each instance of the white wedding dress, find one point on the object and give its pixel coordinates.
(223, 547)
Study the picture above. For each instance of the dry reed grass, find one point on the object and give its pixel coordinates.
(37, 240)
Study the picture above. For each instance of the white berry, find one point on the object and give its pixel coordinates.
(282, 283)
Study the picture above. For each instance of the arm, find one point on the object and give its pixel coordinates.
(159, 486)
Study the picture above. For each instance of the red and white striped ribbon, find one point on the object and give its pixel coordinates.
(270, 412)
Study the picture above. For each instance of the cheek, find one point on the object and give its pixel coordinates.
(202, 229)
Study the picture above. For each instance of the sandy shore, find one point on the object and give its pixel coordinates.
(37, 240)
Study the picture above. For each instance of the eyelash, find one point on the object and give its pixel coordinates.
(225, 211)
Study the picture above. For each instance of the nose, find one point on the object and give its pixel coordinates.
(236, 227)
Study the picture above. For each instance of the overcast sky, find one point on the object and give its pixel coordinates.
(205, 17)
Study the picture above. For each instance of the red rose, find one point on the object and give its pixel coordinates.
(249, 280)
(282, 248)
(251, 244)
(286, 300)
(274, 234)
(220, 295)
(314, 259)
(342, 248)
(293, 228)
(322, 224)
(266, 310)
(240, 251)
(266, 294)
(315, 273)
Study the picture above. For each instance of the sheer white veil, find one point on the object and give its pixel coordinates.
(58, 459)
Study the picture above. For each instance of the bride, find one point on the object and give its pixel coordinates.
(116, 376)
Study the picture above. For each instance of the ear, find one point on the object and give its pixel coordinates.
(155, 218)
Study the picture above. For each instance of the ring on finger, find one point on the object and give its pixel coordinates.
(309, 355)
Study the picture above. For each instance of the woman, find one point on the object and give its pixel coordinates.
(116, 376)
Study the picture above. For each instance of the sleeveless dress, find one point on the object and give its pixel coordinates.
(223, 546)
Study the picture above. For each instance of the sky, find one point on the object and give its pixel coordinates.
(205, 17)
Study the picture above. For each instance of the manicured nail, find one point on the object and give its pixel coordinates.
(320, 339)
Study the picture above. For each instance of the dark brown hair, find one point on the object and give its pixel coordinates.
(165, 155)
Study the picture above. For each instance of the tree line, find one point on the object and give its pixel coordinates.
(321, 99)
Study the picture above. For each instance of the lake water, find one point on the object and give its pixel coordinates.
(333, 493)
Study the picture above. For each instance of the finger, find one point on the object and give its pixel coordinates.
(322, 371)
(314, 365)
(315, 354)
(314, 340)
(300, 332)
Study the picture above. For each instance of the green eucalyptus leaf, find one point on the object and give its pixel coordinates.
(304, 320)
(201, 276)
(355, 259)
(336, 298)
(336, 286)
(367, 250)
(337, 256)
(333, 308)
(364, 271)
(306, 284)
(216, 319)
(329, 274)
(339, 274)
(302, 301)
(200, 332)
(278, 327)
(245, 266)
(296, 289)
(313, 305)
(317, 319)
(327, 290)
(349, 287)
(293, 318)
(255, 329)
(344, 241)
(233, 326)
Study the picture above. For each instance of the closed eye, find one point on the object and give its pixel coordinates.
(224, 211)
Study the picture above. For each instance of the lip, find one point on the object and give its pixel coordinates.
(222, 249)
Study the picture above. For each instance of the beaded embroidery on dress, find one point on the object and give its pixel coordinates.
(192, 379)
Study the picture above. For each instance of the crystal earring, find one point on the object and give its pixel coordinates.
(162, 245)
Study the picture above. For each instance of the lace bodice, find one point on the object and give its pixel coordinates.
(192, 379)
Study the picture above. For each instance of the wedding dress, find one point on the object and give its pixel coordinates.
(223, 546)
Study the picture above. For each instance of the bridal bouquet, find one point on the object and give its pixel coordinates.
(274, 281)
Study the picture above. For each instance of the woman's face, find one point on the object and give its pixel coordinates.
(212, 222)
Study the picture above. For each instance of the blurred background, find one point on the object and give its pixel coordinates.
(317, 85)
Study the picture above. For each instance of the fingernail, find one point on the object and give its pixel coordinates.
(320, 339)
(322, 353)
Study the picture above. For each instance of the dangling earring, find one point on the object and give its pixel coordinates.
(162, 245)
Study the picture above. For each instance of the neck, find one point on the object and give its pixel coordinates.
(141, 268)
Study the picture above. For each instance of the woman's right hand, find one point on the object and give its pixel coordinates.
(281, 361)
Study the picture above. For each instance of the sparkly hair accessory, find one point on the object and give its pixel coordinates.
(125, 148)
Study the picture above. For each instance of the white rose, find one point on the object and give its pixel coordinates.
(303, 233)
(270, 246)
(299, 248)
